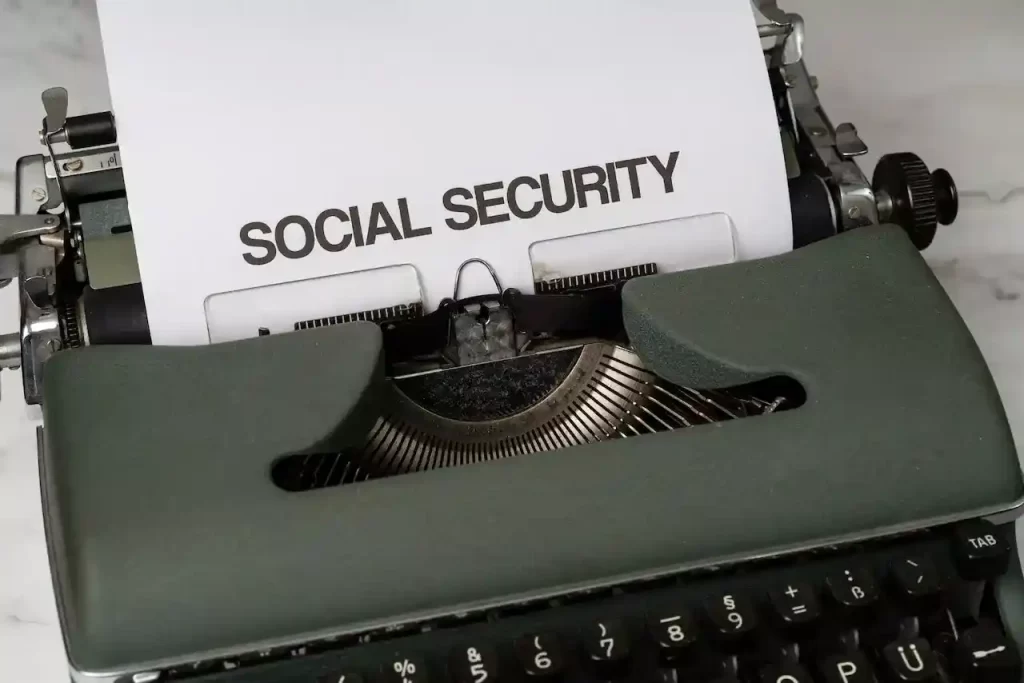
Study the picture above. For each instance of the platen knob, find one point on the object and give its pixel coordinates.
(914, 198)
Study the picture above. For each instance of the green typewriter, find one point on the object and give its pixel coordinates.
(789, 470)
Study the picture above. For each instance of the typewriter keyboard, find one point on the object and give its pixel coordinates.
(914, 609)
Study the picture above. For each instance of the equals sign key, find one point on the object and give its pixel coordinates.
(795, 604)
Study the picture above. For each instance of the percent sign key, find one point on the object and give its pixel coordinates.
(405, 670)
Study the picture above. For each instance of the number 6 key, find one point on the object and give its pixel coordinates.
(540, 656)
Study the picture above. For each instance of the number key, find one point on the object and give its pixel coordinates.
(401, 669)
(340, 677)
(607, 648)
(540, 655)
(474, 664)
(674, 633)
(732, 615)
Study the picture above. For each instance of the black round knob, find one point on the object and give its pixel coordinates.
(920, 200)
(946, 196)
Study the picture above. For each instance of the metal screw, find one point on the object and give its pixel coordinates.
(73, 165)
(814, 82)
(38, 194)
(52, 220)
(853, 212)
(53, 345)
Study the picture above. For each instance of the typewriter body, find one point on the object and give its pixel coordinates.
(788, 470)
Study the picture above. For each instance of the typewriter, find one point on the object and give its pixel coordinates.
(790, 470)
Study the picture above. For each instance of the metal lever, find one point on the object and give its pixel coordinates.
(55, 103)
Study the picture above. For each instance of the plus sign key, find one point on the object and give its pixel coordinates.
(795, 604)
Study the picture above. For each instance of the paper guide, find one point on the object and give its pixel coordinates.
(362, 151)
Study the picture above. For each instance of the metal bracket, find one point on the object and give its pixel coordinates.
(28, 250)
(786, 28)
(14, 229)
(834, 151)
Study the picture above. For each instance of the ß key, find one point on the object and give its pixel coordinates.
(852, 588)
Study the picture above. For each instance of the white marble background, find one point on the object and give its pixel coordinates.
(943, 78)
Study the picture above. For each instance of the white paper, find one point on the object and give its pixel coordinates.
(237, 112)
(284, 307)
(637, 245)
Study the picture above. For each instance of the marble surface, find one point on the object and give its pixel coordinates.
(938, 77)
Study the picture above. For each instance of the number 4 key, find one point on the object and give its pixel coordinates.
(341, 677)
